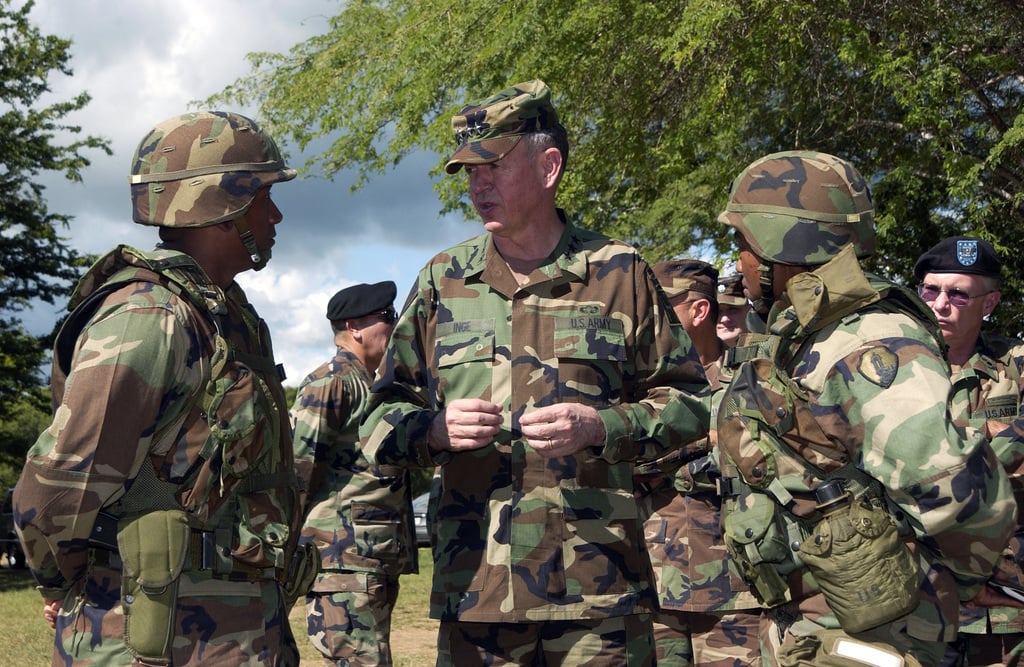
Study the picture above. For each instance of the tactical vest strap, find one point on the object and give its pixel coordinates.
(751, 346)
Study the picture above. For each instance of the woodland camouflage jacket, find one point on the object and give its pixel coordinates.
(877, 389)
(359, 518)
(988, 393)
(521, 538)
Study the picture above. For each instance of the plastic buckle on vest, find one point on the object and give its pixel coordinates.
(727, 486)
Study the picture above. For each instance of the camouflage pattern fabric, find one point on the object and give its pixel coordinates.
(988, 394)
(130, 409)
(801, 207)
(521, 538)
(352, 625)
(359, 517)
(216, 622)
(721, 639)
(202, 168)
(604, 642)
(697, 585)
(876, 394)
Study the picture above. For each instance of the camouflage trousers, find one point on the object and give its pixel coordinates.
(216, 622)
(795, 628)
(621, 641)
(348, 616)
(988, 650)
(724, 639)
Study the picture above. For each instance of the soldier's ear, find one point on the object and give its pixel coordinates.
(992, 300)
(551, 164)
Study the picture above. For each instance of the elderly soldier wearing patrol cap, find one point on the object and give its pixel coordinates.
(534, 363)
(360, 518)
(160, 511)
(959, 277)
(707, 615)
(733, 309)
(838, 445)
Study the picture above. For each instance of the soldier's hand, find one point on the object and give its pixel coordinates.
(990, 597)
(466, 423)
(563, 429)
(50, 610)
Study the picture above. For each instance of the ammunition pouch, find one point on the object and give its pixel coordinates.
(835, 648)
(758, 535)
(301, 573)
(153, 548)
(866, 573)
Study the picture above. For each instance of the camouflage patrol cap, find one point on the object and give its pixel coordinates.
(730, 291)
(486, 131)
(801, 207)
(687, 275)
(202, 168)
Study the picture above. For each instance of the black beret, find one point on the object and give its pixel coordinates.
(360, 300)
(959, 254)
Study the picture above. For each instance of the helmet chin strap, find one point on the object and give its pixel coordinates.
(765, 273)
(259, 258)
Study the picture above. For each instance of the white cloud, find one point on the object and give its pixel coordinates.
(143, 61)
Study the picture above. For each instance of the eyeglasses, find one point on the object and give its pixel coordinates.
(956, 297)
(388, 316)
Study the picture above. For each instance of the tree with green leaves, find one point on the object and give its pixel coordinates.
(35, 262)
(666, 101)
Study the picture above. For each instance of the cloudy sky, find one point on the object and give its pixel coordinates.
(144, 61)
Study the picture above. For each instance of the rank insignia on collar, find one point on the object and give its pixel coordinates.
(879, 366)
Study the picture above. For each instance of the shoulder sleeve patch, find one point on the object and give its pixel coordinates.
(879, 366)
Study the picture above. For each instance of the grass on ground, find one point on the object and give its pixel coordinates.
(28, 641)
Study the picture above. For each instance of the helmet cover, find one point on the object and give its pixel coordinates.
(202, 168)
(801, 207)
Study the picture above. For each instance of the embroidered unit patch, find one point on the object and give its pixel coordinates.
(879, 366)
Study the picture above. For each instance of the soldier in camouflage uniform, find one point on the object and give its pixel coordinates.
(534, 363)
(360, 518)
(707, 615)
(159, 511)
(959, 278)
(732, 309)
(857, 510)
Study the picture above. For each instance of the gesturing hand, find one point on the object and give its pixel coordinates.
(563, 429)
(466, 423)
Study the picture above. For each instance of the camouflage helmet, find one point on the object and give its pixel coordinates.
(202, 168)
(801, 207)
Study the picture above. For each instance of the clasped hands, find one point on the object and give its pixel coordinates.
(552, 431)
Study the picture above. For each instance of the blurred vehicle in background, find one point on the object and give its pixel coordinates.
(420, 504)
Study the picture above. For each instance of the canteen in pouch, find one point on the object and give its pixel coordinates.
(866, 573)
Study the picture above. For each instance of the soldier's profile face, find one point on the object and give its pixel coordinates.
(747, 267)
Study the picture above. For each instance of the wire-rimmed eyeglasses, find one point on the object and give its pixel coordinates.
(956, 296)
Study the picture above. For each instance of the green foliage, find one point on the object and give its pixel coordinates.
(35, 262)
(25, 420)
(665, 102)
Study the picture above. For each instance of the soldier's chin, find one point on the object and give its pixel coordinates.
(261, 263)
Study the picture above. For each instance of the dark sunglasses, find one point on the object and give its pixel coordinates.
(389, 316)
(956, 297)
